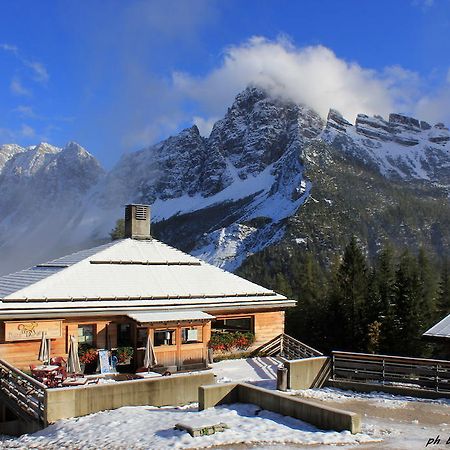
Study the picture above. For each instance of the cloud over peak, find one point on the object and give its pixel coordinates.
(313, 75)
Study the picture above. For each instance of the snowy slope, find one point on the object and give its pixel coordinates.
(401, 147)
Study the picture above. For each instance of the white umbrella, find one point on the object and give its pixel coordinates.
(73, 360)
(150, 357)
(44, 349)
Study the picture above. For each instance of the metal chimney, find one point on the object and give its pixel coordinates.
(137, 221)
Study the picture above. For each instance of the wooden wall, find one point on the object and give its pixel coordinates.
(23, 353)
(267, 325)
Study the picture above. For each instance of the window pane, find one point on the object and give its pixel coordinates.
(86, 334)
(141, 337)
(240, 324)
(190, 335)
(164, 337)
(124, 335)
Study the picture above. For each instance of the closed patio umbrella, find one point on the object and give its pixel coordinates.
(73, 360)
(44, 349)
(150, 357)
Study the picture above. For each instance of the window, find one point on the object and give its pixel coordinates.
(86, 335)
(244, 324)
(124, 335)
(141, 340)
(191, 335)
(164, 337)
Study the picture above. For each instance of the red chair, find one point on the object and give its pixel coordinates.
(58, 361)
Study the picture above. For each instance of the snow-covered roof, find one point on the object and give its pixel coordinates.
(440, 330)
(128, 275)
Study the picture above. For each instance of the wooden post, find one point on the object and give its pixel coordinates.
(178, 344)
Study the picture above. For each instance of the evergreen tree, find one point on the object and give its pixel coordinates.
(429, 289)
(352, 290)
(443, 301)
(408, 307)
(386, 307)
(119, 230)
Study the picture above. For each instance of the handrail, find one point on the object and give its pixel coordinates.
(24, 395)
(287, 347)
(392, 357)
(306, 348)
(366, 368)
(23, 374)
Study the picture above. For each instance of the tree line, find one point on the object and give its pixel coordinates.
(380, 306)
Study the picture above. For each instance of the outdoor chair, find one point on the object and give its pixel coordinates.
(58, 361)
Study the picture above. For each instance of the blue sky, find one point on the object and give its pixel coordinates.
(116, 76)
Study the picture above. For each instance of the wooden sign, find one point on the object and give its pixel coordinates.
(32, 330)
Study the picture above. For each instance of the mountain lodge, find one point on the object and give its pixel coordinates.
(117, 294)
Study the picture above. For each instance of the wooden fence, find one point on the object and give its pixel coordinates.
(22, 394)
(431, 374)
(287, 347)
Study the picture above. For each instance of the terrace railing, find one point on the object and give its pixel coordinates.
(22, 394)
(287, 347)
(431, 374)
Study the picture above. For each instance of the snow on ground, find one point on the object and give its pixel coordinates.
(147, 427)
(375, 397)
(388, 421)
(401, 422)
(260, 371)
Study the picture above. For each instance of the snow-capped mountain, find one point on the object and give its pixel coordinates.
(226, 196)
(401, 147)
(42, 193)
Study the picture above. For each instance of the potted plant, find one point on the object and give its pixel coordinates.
(225, 342)
(88, 358)
(124, 355)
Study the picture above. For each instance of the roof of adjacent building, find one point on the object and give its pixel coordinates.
(440, 330)
(128, 275)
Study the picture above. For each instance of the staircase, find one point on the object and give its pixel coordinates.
(286, 347)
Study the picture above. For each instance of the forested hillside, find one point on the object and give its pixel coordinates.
(381, 305)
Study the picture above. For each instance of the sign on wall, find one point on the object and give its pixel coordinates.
(32, 330)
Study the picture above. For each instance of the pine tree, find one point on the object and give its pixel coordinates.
(119, 230)
(408, 307)
(443, 301)
(429, 289)
(352, 292)
(386, 307)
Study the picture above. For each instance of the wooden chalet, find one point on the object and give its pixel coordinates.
(116, 294)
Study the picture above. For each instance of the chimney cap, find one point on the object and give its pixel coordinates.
(137, 221)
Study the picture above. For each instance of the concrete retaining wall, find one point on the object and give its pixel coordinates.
(308, 372)
(323, 417)
(82, 400)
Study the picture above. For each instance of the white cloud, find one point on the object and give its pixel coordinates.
(204, 125)
(27, 131)
(25, 111)
(313, 76)
(40, 71)
(9, 48)
(17, 88)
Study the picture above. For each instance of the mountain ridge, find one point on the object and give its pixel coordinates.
(226, 196)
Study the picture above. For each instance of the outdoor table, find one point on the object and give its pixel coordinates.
(148, 375)
(46, 368)
(74, 381)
